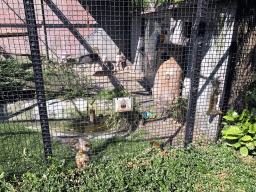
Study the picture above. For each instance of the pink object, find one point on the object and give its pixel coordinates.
(119, 59)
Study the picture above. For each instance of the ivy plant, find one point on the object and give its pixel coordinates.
(240, 131)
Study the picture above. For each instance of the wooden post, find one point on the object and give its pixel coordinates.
(92, 115)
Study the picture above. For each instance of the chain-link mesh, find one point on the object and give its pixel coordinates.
(111, 77)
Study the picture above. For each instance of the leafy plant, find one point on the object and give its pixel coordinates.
(115, 120)
(240, 131)
(251, 98)
(178, 110)
(109, 94)
(22, 150)
(12, 76)
(124, 120)
(64, 81)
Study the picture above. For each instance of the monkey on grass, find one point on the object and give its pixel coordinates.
(155, 145)
(83, 155)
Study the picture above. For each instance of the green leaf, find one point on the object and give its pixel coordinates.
(234, 132)
(230, 113)
(229, 118)
(246, 125)
(2, 175)
(252, 128)
(242, 142)
(230, 142)
(230, 137)
(250, 145)
(254, 143)
(246, 115)
(246, 138)
(237, 145)
(226, 127)
(243, 151)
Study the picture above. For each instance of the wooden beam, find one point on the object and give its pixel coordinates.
(13, 34)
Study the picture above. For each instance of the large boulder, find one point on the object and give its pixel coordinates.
(167, 84)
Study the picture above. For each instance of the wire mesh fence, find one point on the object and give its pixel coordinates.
(82, 80)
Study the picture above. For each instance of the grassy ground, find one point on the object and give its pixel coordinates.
(22, 149)
(214, 168)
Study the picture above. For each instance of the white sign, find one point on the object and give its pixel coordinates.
(122, 104)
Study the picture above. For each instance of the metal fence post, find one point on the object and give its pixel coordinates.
(195, 59)
(37, 67)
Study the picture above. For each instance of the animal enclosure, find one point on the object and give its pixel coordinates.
(119, 73)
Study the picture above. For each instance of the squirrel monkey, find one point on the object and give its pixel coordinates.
(82, 158)
(155, 145)
(83, 155)
(214, 99)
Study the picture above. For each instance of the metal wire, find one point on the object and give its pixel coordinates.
(118, 74)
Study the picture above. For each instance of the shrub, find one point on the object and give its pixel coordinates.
(13, 76)
(109, 94)
(178, 110)
(240, 131)
(64, 81)
(123, 120)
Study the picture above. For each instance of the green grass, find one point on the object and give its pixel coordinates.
(123, 165)
(22, 150)
(14, 140)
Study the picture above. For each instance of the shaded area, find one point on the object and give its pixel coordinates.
(115, 82)
(113, 16)
(170, 138)
(4, 53)
(146, 84)
(13, 95)
(241, 64)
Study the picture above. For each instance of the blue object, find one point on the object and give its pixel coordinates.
(158, 38)
(147, 115)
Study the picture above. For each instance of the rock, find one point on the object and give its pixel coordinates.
(167, 83)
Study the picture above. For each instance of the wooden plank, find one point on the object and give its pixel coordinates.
(13, 34)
